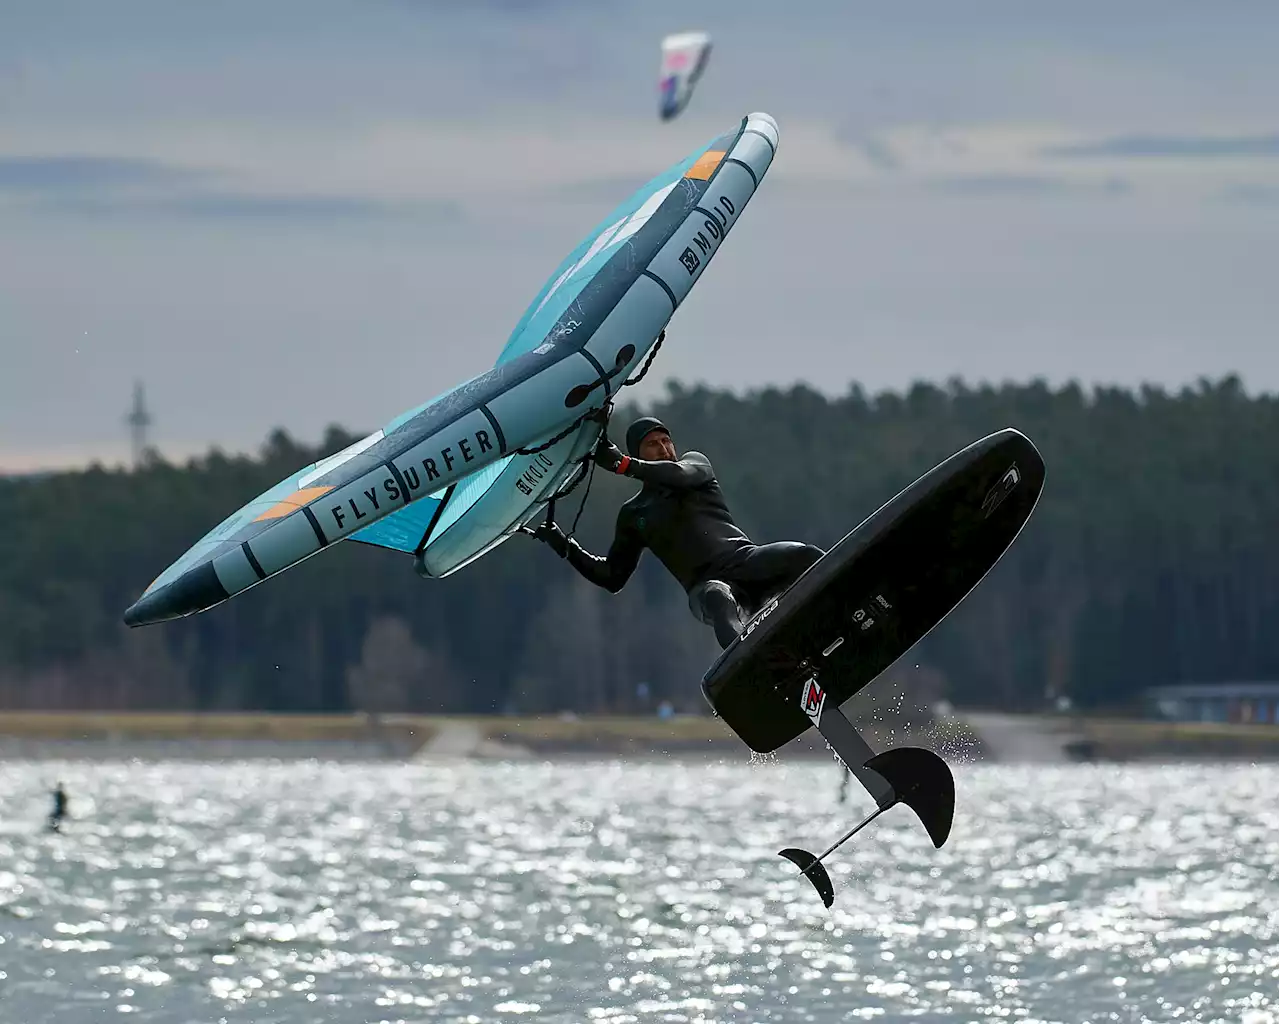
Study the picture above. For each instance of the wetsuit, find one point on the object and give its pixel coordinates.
(59, 808)
(681, 516)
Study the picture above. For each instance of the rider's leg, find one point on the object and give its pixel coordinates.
(773, 567)
(713, 603)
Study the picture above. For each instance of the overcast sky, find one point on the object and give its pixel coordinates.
(291, 214)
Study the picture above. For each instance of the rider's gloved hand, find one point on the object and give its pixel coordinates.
(609, 456)
(551, 535)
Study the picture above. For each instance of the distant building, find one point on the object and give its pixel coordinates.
(1215, 702)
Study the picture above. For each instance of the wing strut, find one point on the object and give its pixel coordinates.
(588, 461)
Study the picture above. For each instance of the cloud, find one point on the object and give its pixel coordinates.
(879, 154)
(530, 7)
(1028, 185)
(41, 457)
(1166, 146)
(607, 189)
(89, 173)
(249, 206)
(1255, 194)
(104, 186)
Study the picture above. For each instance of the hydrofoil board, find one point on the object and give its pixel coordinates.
(878, 592)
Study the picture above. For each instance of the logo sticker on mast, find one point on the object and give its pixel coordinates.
(812, 698)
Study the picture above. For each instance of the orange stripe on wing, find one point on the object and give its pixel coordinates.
(292, 503)
(705, 165)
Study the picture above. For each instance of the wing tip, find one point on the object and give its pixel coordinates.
(193, 591)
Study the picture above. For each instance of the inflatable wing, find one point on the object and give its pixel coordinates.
(451, 479)
(684, 58)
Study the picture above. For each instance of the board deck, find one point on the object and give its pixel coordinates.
(879, 591)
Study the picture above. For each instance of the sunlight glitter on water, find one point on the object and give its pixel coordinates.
(580, 891)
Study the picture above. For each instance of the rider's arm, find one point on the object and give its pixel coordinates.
(694, 470)
(613, 570)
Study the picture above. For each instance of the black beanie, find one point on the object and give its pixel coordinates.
(639, 430)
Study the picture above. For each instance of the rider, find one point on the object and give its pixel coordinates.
(59, 811)
(681, 516)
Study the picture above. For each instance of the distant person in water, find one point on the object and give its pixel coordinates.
(59, 808)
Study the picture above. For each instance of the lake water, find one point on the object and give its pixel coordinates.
(595, 891)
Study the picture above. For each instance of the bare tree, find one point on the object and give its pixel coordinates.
(564, 662)
(395, 673)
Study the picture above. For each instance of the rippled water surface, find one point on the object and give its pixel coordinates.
(647, 891)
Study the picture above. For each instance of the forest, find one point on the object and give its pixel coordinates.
(1151, 559)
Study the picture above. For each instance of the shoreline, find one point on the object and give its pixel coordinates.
(412, 738)
(965, 736)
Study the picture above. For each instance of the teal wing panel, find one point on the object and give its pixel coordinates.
(403, 530)
(406, 529)
(581, 265)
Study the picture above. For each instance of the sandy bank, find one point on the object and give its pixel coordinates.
(411, 737)
(966, 737)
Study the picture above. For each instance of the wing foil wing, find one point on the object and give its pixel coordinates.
(447, 475)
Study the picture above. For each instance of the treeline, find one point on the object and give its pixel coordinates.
(1152, 559)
